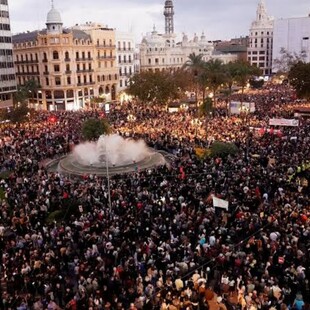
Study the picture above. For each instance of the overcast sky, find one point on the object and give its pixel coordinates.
(219, 19)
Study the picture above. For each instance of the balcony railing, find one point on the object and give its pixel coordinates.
(105, 46)
(106, 57)
(83, 59)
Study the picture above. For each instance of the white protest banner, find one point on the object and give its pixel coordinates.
(283, 122)
(220, 203)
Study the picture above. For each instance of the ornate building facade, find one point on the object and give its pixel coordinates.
(125, 56)
(70, 65)
(162, 51)
(7, 72)
(261, 40)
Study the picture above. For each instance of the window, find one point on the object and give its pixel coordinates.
(67, 55)
(57, 81)
(55, 55)
(121, 83)
(68, 80)
(47, 81)
(150, 61)
(67, 67)
(56, 68)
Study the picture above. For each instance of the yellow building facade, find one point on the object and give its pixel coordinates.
(71, 66)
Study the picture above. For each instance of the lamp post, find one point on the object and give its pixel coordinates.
(196, 123)
(108, 178)
(244, 111)
(131, 118)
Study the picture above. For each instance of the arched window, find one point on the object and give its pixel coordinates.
(55, 55)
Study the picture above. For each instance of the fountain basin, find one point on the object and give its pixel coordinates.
(69, 165)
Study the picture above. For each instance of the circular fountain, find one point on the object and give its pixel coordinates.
(110, 154)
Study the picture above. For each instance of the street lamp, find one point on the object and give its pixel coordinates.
(244, 111)
(131, 118)
(108, 178)
(196, 123)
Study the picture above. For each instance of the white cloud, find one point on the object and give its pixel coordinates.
(220, 19)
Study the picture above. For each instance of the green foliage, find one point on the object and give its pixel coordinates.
(2, 194)
(55, 216)
(242, 71)
(18, 114)
(93, 128)
(25, 92)
(299, 77)
(5, 174)
(157, 87)
(69, 207)
(223, 149)
(206, 108)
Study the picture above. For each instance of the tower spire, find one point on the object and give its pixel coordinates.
(261, 13)
(168, 13)
(52, 4)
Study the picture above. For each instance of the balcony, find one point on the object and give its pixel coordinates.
(67, 59)
(84, 70)
(46, 73)
(44, 60)
(85, 84)
(106, 57)
(68, 72)
(105, 46)
(84, 59)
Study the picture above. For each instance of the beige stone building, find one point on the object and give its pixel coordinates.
(70, 65)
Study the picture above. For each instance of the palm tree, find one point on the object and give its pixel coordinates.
(195, 64)
(215, 76)
(243, 71)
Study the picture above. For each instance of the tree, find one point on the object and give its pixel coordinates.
(287, 60)
(214, 76)
(223, 149)
(93, 128)
(299, 77)
(242, 72)
(26, 91)
(195, 65)
(156, 87)
(206, 108)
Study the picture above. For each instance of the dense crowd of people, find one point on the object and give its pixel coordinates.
(161, 244)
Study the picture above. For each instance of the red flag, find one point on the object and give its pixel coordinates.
(182, 176)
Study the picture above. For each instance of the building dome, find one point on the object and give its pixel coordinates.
(53, 17)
